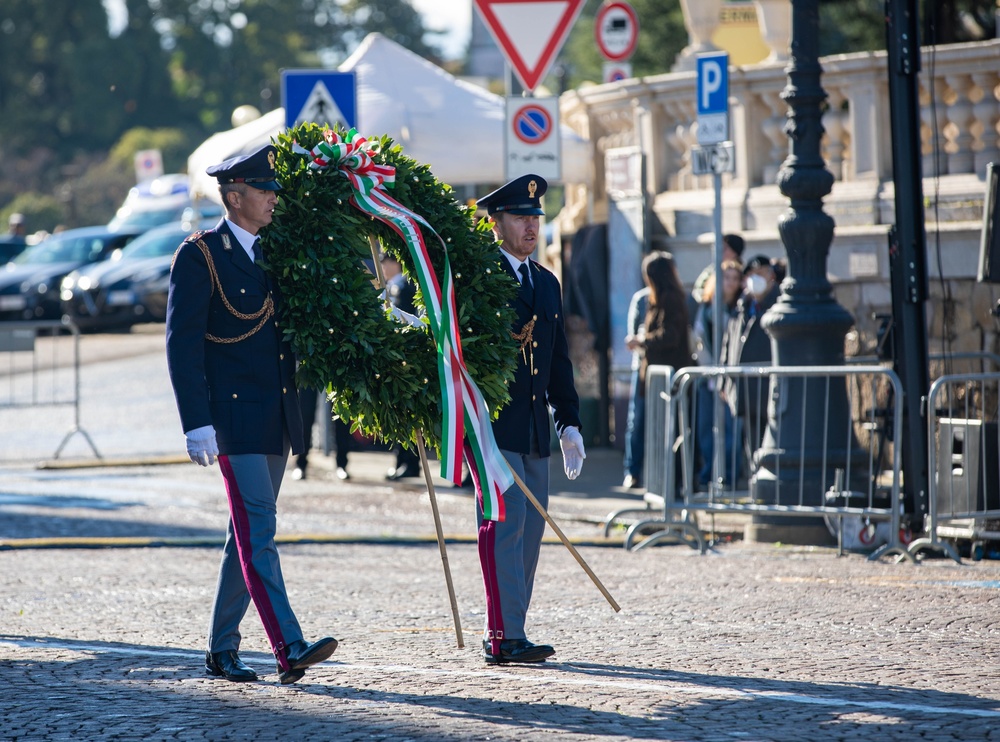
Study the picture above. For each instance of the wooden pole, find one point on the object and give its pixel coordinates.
(440, 537)
(566, 543)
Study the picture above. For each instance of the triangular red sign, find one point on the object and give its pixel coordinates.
(530, 33)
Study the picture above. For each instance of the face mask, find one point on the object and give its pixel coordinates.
(756, 285)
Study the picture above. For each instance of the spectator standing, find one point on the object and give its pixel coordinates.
(17, 230)
(746, 343)
(666, 339)
(704, 334)
(732, 250)
(311, 404)
(635, 426)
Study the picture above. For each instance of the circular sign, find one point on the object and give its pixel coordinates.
(616, 29)
(532, 124)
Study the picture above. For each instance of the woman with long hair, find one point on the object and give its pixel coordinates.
(666, 340)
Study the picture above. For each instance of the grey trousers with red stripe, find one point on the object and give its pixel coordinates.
(250, 568)
(508, 551)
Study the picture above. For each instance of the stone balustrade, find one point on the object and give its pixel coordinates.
(960, 113)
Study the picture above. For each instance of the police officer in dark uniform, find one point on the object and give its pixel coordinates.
(233, 379)
(543, 381)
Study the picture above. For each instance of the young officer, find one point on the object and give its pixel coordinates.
(543, 380)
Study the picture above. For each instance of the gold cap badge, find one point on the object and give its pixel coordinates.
(532, 187)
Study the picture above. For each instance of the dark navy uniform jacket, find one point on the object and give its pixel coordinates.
(550, 383)
(246, 389)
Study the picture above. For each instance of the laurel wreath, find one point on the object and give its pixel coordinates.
(380, 374)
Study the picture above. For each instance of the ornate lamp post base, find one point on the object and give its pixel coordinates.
(807, 326)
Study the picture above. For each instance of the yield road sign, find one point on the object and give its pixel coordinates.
(320, 96)
(531, 144)
(712, 91)
(529, 32)
(616, 29)
(715, 158)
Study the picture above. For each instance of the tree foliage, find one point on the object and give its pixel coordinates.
(859, 25)
(662, 35)
(71, 86)
(846, 26)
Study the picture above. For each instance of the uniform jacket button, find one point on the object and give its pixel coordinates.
(243, 291)
(284, 390)
(534, 317)
(235, 396)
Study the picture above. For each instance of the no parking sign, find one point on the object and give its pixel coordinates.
(531, 138)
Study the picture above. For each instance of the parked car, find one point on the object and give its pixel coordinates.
(29, 284)
(161, 201)
(11, 247)
(126, 289)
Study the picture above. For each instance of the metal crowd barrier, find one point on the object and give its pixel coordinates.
(985, 360)
(40, 367)
(856, 454)
(655, 454)
(964, 462)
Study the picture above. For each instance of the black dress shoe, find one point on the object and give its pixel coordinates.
(228, 665)
(517, 650)
(286, 677)
(301, 655)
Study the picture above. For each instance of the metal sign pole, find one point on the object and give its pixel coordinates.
(718, 302)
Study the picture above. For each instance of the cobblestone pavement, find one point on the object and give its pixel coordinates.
(106, 574)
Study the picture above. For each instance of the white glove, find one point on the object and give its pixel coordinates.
(201, 445)
(410, 319)
(571, 443)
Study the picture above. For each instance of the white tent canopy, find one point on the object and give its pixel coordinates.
(454, 127)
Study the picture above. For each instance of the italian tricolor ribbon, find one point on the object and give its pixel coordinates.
(464, 411)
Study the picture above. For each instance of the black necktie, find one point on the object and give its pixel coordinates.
(258, 254)
(526, 292)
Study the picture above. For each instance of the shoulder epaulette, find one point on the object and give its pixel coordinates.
(195, 236)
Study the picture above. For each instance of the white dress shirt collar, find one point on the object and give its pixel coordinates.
(516, 264)
(245, 239)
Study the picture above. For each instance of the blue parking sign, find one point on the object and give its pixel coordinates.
(320, 96)
(712, 91)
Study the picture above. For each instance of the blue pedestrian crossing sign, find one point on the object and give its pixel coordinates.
(320, 96)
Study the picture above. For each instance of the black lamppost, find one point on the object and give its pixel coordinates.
(807, 326)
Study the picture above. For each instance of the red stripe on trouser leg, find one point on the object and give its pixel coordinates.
(487, 560)
(255, 585)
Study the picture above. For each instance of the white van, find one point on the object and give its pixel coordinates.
(159, 201)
